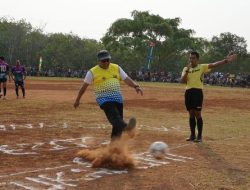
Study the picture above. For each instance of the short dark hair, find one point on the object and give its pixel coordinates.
(2, 58)
(195, 53)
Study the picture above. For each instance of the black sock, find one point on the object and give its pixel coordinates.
(17, 91)
(192, 124)
(23, 90)
(199, 126)
(4, 91)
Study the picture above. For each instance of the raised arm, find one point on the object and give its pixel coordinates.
(231, 57)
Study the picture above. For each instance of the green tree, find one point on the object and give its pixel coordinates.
(225, 43)
(129, 40)
(12, 38)
(91, 47)
(62, 51)
(69, 51)
(32, 48)
(19, 40)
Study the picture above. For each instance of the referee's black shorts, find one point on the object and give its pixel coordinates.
(194, 99)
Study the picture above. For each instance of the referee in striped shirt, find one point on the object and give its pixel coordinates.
(192, 76)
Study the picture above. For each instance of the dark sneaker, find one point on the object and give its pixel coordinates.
(199, 139)
(191, 138)
(131, 124)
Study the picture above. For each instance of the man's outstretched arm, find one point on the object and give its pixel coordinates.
(229, 58)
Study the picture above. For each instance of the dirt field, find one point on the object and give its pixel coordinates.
(40, 136)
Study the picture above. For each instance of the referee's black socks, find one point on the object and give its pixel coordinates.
(192, 124)
(199, 126)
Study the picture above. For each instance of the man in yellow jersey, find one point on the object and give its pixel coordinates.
(105, 78)
(193, 75)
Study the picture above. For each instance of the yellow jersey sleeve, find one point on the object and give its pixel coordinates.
(205, 68)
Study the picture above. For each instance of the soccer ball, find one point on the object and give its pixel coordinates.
(158, 149)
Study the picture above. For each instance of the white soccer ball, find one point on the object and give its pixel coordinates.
(158, 149)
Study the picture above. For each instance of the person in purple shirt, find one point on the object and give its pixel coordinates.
(4, 71)
(18, 74)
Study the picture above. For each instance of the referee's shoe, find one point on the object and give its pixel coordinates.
(198, 140)
(191, 138)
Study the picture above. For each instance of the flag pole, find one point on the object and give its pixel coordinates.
(150, 55)
(40, 65)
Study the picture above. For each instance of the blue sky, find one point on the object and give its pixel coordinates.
(92, 18)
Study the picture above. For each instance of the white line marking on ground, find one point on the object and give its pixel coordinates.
(23, 186)
(33, 171)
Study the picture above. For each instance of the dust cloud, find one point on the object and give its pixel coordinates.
(114, 155)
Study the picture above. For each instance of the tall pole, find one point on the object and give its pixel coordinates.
(150, 55)
(40, 65)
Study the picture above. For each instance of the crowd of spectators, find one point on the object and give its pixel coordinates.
(56, 72)
(212, 78)
(227, 79)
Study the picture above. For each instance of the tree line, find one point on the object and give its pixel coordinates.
(128, 40)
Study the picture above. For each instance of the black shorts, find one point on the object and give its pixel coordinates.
(19, 83)
(194, 99)
(4, 79)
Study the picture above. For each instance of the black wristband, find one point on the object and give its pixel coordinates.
(136, 86)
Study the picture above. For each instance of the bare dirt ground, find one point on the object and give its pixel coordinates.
(41, 135)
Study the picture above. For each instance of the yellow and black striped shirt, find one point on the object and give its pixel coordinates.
(196, 75)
